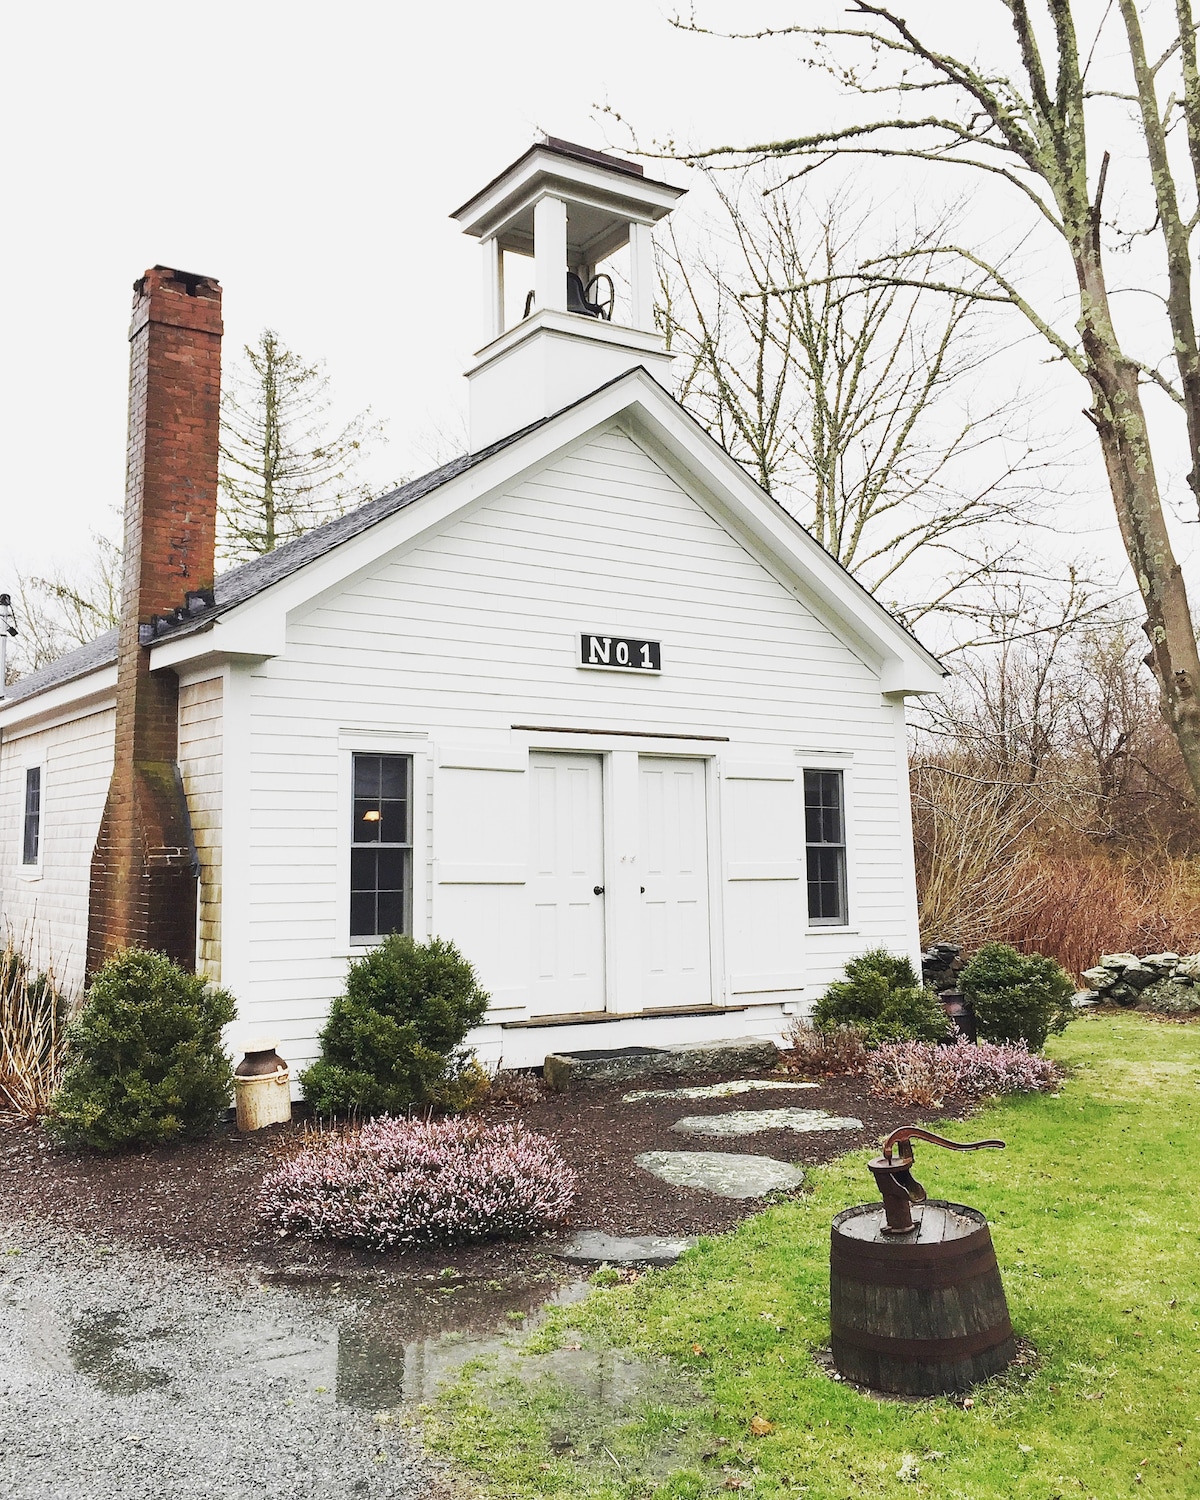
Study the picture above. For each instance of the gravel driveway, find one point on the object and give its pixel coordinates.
(126, 1376)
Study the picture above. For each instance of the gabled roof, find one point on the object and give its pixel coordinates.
(250, 578)
(243, 584)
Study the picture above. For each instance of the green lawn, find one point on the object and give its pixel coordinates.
(1095, 1209)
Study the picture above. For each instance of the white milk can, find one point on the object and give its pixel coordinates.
(261, 1085)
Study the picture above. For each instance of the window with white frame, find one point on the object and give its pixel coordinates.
(825, 836)
(381, 853)
(31, 843)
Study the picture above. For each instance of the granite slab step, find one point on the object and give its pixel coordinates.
(566, 1070)
(725, 1173)
(753, 1121)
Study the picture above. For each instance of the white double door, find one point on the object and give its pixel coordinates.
(665, 914)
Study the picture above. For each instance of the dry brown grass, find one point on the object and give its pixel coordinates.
(824, 1052)
(33, 1017)
(1076, 908)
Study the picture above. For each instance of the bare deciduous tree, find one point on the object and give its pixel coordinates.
(856, 404)
(1044, 128)
(283, 471)
(67, 609)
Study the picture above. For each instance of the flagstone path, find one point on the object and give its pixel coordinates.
(754, 1121)
(715, 1090)
(727, 1174)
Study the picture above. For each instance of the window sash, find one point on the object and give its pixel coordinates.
(825, 837)
(32, 831)
(381, 852)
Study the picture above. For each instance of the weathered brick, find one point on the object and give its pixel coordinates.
(143, 887)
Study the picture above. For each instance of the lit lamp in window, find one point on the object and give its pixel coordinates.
(373, 815)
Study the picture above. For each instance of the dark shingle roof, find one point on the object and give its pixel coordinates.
(243, 582)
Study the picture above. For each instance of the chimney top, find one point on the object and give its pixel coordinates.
(166, 278)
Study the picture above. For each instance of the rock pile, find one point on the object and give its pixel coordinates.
(941, 964)
(1162, 982)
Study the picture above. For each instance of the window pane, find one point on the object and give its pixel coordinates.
(366, 775)
(393, 776)
(823, 807)
(391, 913)
(393, 824)
(362, 914)
(392, 865)
(368, 819)
(362, 869)
(33, 815)
(827, 885)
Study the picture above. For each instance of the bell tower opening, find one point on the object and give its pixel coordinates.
(568, 282)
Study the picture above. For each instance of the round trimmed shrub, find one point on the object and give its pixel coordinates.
(1018, 997)
(397, 1183)
(145, 1064)
(883, 1000)
(393, 1040)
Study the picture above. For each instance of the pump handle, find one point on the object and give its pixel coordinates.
(911, 1133)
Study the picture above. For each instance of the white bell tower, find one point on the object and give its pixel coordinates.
(570, 209)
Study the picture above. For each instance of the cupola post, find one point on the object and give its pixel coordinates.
(580, 215)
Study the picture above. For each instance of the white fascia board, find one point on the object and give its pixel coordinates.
(543, 171)
(87, 694)
(258, 628)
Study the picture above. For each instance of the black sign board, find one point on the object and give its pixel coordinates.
(620, 653)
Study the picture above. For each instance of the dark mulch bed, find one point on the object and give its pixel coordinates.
(198, 1199)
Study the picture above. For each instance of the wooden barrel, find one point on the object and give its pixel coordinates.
(923, 1314)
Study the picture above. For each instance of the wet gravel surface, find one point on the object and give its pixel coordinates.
(125, 1376)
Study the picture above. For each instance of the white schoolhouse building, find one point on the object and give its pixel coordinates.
(585, 700)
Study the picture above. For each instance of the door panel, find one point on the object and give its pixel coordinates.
(676, 962)
(566, 863)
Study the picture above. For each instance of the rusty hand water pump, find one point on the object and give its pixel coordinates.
(916, 1301)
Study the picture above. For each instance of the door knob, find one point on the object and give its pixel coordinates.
(597, 890)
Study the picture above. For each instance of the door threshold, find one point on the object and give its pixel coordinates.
(595, 1017)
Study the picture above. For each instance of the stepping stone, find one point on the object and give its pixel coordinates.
(714, 1090)
(751, 1121)
(624, 1250)
(724, 1173)
(564, 1070)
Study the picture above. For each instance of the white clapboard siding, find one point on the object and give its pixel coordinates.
(200, 762)
(48, 915)
(475, 630)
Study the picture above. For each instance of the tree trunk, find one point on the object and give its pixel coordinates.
(1120, 422)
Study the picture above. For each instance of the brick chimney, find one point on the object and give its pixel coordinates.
(143, 881)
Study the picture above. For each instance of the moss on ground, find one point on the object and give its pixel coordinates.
(1096, 1219)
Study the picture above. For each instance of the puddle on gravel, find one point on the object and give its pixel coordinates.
(365, 1345)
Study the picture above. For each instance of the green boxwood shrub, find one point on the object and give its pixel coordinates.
(883, 1000)
(393, 1040)
(144, 1057)
(1018, 997)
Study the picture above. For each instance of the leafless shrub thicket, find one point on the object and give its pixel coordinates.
(1051, 804)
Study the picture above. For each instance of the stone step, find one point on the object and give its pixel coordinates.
(593, 1245)
(565, 1070)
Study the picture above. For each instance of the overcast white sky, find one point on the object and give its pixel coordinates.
(308, 155)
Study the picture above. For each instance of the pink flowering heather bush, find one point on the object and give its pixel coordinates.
(922, 1073)
(397, 1183)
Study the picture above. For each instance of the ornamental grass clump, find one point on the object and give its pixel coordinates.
(399, 1183)
(883, 1000)
(924, 1074)
(145, 1063)
(33, 1029)
(393, 1041)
